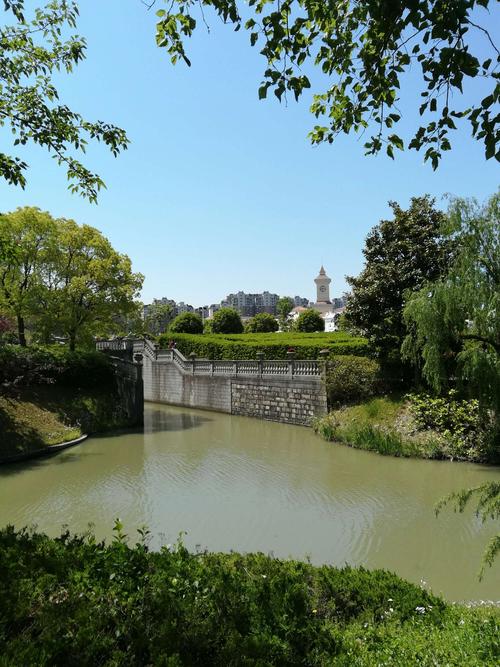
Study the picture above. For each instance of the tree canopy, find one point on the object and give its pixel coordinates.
(226, 321)
(33, 52)
(262, 323)
(401, 254)
(309, 321)
(362, 53)
(187, 323)
(64, 278)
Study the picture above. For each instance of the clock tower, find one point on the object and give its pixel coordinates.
(323, 303)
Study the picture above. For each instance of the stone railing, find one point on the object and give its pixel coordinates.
(305, 368)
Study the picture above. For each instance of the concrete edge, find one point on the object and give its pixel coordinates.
(46, 451)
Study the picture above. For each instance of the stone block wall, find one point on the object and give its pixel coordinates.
(291, 400)
(288, 400)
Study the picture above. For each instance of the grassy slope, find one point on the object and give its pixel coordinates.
(34, 418)
(382, 425)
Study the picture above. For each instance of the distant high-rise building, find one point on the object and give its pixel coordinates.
(251, 304)
(300, 301)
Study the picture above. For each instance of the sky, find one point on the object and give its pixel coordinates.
(219, 191)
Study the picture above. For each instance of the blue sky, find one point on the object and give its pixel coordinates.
(220, 191)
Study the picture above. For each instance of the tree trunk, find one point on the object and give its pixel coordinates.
(72, 341)
(20, 331)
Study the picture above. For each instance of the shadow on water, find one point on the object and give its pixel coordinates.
(155, 421)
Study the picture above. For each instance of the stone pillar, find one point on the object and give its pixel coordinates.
(260, 357)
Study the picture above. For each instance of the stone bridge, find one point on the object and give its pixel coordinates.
(290, 391)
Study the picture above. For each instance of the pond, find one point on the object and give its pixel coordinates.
(235, 483)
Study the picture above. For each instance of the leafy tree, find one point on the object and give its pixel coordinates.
(28, 237)
(159, 316)
(226, 321)
(33, 52)
(87, 284)
(400, 255)
(187, 323)
(284, 308)
(457, 317)
(310, 321)
(262, 323)
(365, 50)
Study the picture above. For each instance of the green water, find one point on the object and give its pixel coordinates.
(243, 484)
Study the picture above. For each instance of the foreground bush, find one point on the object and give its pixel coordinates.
(273, 346)
(351, 378)
(75, 601)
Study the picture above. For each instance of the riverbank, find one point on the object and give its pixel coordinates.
(35, 420)
(73, 600)
(388, 425)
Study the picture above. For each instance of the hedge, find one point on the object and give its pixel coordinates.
(273, 346)
(54, 364)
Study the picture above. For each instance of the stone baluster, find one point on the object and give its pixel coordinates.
(260, 358)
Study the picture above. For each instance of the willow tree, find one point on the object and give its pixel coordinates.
(457, 318)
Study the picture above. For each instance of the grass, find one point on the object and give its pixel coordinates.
(382, 425)
(75, 601)
(44, 415)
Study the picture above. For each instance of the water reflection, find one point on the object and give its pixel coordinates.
(238, 483)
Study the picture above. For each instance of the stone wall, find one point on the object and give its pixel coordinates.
(130, 390)
(288, 400)
(288, 391)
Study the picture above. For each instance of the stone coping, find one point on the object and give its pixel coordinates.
(45, 451)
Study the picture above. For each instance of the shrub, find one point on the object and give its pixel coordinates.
(262, 323)
(273, 346)
(54, 364)
(187, 323)
(464, 427)
(227, 321)
(351, 378)
(310, 321)
(76, 601)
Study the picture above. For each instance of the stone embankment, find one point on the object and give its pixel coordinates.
(290, 391)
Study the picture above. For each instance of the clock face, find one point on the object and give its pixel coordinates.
(322, 288)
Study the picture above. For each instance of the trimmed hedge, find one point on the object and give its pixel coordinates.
(274, 345)
(54, 364)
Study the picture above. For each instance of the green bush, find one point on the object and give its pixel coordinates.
(310, 321)
(226, 321)
(54, 364)
(76, 601)
(273, 346)
(351, 378)
(461, 423)
(187, 323)
(262, 323)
